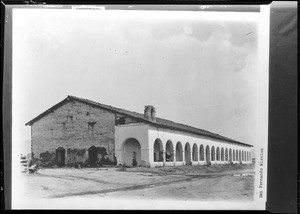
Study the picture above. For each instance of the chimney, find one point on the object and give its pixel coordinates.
(149, 113)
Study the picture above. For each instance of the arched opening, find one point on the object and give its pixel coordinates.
(60, 156)
(169, 151)
(226, 154)
(240, 156)
(93, 156)
(187, 153)
(222, 154)
(218, 153)
(131, 152)
(201, 153)
(207, 155)
(195, 152)
(243, 156)
(158, 151)
(213, 155)
(179, 152)
(236, 155)
(230, 156)
(233, 156)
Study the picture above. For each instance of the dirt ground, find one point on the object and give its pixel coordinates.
(187, 183)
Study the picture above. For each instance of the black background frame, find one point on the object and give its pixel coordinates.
(282, 184)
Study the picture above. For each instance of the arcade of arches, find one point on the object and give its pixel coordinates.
(144, 145)
(183, 154)
(197, 155)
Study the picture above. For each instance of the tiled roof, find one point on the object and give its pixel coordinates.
(163, 123)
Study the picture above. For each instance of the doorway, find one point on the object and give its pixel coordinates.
(60, 156)
(93, 155)
(207, 155)
(132, 152)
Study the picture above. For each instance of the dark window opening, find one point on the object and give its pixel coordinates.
(120, 121)
(69, 118)
(91, 125)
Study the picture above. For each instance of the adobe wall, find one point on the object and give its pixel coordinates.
(68, 127)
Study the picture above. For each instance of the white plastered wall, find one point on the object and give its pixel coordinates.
(147, 134)
(138, 131)
(165, 135)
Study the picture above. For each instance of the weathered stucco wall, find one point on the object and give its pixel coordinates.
(76, 127)
(165, 135)
(139, 132)
(147, 135)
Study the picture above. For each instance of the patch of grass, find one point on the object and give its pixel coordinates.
(122, 168)
(191, 170)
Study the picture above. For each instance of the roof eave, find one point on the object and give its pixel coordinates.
(47, 111)
(68, 98)
(212, 137)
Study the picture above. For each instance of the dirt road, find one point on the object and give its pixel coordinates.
(187, 183)
(216, 188)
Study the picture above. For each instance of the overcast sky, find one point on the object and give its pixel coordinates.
(194, 67)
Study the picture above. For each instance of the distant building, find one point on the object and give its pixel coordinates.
(80, 131)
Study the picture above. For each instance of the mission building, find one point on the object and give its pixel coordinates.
(79, 131)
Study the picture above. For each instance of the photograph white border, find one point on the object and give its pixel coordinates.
(261, 127)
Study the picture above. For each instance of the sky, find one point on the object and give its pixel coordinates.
(196, 68)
